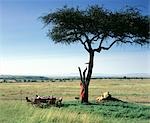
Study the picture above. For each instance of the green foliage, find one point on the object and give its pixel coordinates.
(97, 23)
(130, 24)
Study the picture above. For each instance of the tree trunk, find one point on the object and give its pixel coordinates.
(86, 94)
(90, 67)
(86, 80)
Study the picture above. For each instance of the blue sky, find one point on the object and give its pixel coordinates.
(25, 49)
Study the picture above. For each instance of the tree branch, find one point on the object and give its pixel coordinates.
(80, 73)
(117, 40)
(95, 38)
(126, 41)
(89, 45)
(107, 48)
(84, 44)
(84, 74)
(79, 38)
(100, 44)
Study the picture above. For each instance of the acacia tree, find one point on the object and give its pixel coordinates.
(96, 26)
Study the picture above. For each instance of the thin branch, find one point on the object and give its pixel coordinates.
(100, 45)
(89, 45)
(84, 44)
(84, 72)
(139, 43)
(107, 48)
(80, 74)
(86, 36)
(95, 38)
(126, 41)
(117, 40)
(88, 42)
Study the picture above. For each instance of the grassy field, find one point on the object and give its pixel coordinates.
(14, 109)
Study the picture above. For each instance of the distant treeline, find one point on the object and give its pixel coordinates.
(23, 77)
(37, 80)
(124, 77)
(6, 79)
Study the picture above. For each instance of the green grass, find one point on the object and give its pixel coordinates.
(17, 112)
(74, 112)
(14, 109)
(116, 110)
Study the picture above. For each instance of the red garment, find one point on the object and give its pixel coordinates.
(81, 90)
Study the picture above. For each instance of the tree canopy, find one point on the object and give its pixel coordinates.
(96, 24)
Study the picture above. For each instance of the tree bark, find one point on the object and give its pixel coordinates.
(84, 94)
(90, 67)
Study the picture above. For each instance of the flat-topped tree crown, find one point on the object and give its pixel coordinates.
(96, 26)
(71, 25)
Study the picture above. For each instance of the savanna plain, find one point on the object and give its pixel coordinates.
(134, 92)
